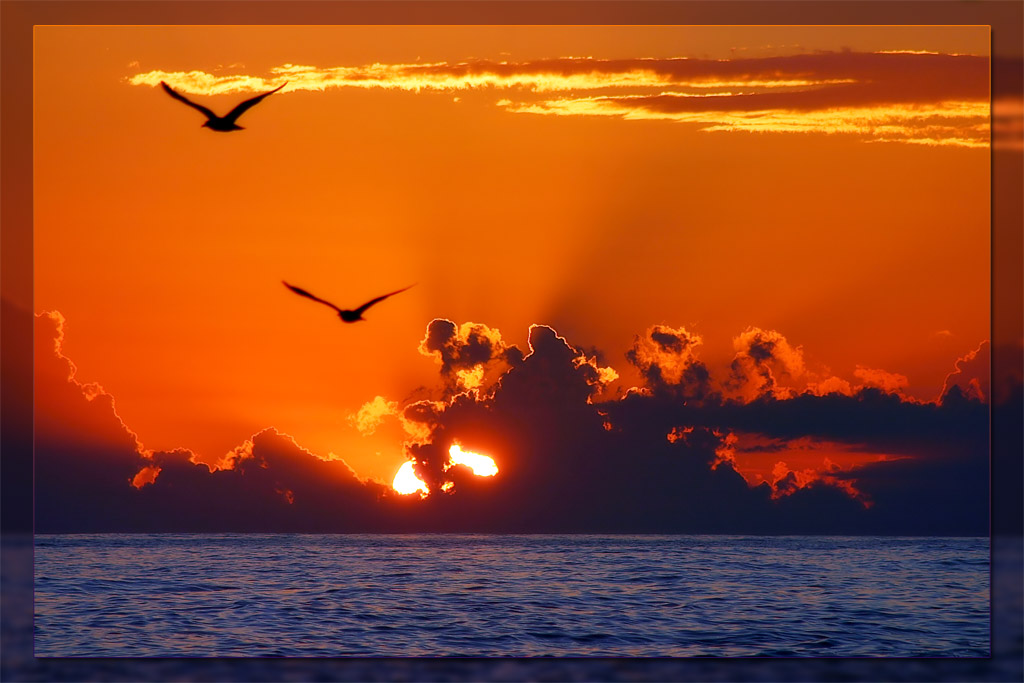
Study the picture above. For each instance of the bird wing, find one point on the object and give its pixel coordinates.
(181, 98)
(233, 115)
(302, 292)
(371, 302)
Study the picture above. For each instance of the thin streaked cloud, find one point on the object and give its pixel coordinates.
(895, 96)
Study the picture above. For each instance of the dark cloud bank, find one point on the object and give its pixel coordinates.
(655, 459)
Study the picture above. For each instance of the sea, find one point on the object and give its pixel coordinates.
(468, 595)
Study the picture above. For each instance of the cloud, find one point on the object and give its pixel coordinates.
(420, 417)
(85, 456)
(971, 374)
(467, 352)
(57, 385)
(886, 381)
(652, 461)
(667, 357)
(763, 359)
(940, 450)
(786, 482)
(861, 77)
(556, 369)
(93, 474)
(925, 99)
(761, 458)
(568, 460)
(895, 96)
(956, 124)
(274, 486)
(371, 414)
(830, 385)
(871, 418)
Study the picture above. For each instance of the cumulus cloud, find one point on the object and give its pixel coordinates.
(830, 385)
(467, 352)
(57, 385)
(93, 474)
(632, 462)
(971, 374)
(880, 379)
(274, 485)
(763, 360)
(420, 417)
(913, 97)
(371, 414)
(567, 461)
(667, 357)
(554, 369)
(84, 452)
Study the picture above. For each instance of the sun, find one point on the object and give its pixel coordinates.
(406, 482)
(482, 465)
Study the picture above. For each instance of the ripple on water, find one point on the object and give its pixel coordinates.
(476, 595)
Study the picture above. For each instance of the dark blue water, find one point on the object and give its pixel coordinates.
(112, 595)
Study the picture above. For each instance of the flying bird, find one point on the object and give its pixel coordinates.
(349, 316)
(223, 124)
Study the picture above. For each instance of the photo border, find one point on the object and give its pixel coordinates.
(17, 17)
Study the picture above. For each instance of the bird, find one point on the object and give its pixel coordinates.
(349, 316)
(221, 124)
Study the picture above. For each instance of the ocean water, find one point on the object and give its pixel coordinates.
(224, 595)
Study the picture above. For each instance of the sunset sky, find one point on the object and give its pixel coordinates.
(816, 194)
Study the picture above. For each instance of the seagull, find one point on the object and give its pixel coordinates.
(223, 124)
(349, 316)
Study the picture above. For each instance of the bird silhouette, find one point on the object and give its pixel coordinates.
(222, 124)
(349, 316)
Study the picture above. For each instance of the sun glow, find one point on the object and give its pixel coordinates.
(481, 465)
(407, 482)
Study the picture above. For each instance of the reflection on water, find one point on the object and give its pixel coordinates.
(478, 595)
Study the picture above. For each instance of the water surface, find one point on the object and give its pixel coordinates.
(198, 595)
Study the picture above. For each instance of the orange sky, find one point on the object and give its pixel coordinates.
(164, 244)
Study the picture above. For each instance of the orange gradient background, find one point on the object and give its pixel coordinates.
(164, 245)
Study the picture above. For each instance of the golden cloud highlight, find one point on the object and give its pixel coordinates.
(907, 96)
(94, 393)
(961, 124)
(372, 414)
(665, 350)
(972, 374)
(889, 382)
(570, 74)
(471, 355)
(763, 358)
